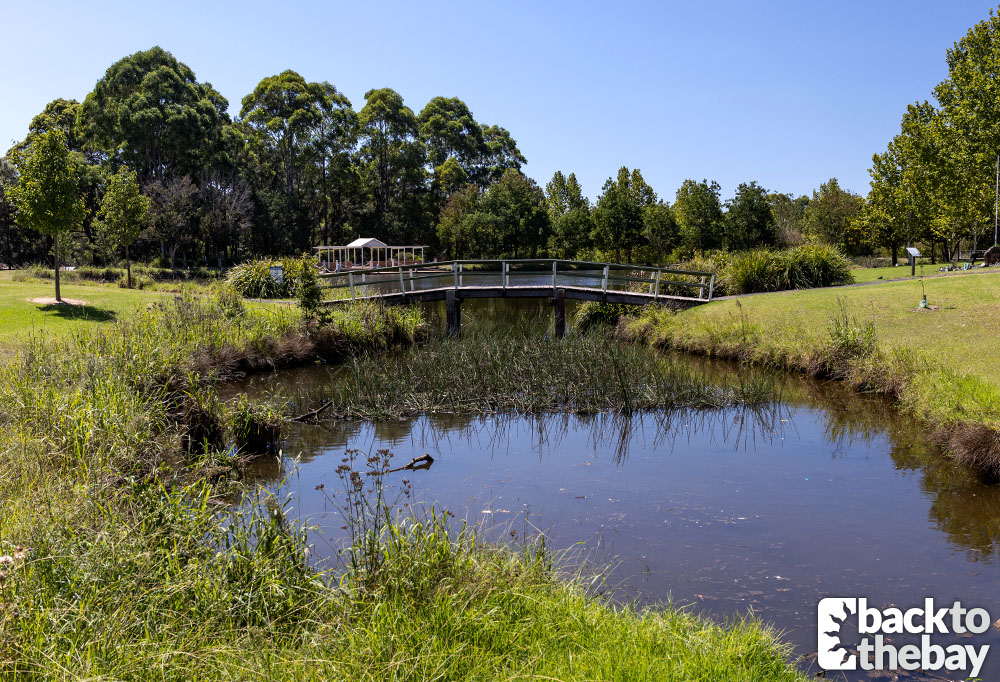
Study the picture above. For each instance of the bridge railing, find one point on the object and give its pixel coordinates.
(650, 280)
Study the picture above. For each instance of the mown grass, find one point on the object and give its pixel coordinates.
(121, 567)
(934, 361)
(902, 271)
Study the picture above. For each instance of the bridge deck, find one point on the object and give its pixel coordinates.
(525, 291)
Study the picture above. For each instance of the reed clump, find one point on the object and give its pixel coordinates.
(487, 371)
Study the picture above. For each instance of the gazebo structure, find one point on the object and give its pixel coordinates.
(379, 255)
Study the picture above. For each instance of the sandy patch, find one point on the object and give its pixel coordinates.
(50, 300)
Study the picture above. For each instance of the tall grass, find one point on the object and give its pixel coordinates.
(763, 270)
(525, 372)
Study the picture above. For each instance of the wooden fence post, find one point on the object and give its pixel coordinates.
(453, 312)
(560, 302)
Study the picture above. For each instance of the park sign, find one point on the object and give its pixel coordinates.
(277, 274)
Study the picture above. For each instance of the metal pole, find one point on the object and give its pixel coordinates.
(996, 202)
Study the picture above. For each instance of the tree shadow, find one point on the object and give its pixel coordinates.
(79, 312)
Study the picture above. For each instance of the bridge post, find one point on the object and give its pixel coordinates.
(402, 285)
(560, 302)
(453, 312)
(350, 280)
(656, 289)
(554, 277)
(604, 281)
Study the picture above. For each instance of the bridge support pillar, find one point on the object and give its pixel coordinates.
(453, 312)
(559, 301)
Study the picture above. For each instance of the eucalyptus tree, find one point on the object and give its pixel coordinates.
(501, 154)
(298, 139)
(448, 130)
(698, 210)
(569, 215)
(393, 162)
(749, 220)
(124, 213)
(47, 192)
(150, 113)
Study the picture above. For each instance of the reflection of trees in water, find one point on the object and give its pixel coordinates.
(963, 507)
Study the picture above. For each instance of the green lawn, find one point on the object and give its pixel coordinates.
(901, 271)
(21, 319)
(961, 334)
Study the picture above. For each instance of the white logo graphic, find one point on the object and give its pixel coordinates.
(874, 653)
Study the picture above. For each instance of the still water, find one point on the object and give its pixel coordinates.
(827, 493)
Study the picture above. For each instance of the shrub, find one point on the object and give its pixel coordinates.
(591, 314)
(253, 278)
(760, 270)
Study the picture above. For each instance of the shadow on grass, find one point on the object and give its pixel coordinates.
(79, 312)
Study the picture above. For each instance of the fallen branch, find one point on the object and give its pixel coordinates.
(311, 413)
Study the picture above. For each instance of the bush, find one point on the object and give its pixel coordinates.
(760, 270)
(253, 278)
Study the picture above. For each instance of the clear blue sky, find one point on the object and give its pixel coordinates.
(785, 93)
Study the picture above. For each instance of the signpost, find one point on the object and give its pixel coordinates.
(914, 255)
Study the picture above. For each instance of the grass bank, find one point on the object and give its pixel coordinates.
(932, 360)
(116, 566)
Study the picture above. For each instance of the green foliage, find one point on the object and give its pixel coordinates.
(591, 314)
(508, 220)
(570, 216)
(307, 288)
(803, 267)
(124, 214)
(524, 372)
(618, 216)
(829, 215)
(749, 221)
(46, 194)
(150, 111)
(253, 279)
(699, 215)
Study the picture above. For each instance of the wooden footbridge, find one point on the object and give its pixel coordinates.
(557, 280)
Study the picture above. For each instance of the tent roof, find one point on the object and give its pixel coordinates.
(367, 242)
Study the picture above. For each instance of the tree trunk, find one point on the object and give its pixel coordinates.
(895, 256)
(128, 269)
(55, 249)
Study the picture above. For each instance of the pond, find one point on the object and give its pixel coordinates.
(726, 511)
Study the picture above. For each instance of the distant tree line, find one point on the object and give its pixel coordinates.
(299, 166)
